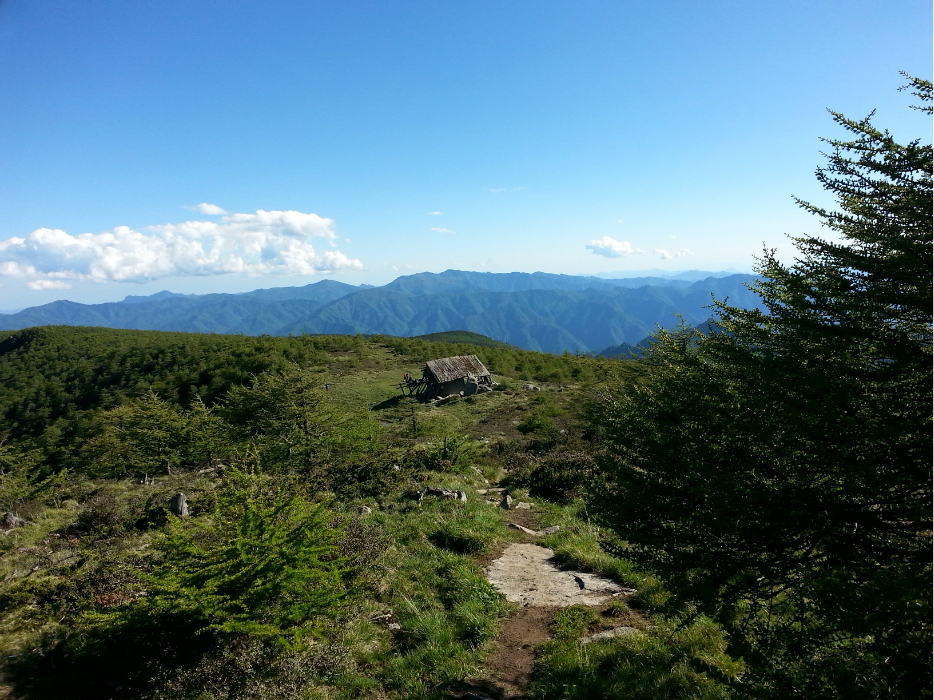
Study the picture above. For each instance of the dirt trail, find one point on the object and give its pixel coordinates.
(524, 573)
(509, 667)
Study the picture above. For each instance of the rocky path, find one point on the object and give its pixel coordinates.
(525, 575)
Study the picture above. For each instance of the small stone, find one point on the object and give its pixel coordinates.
(364, 510)
(610, 634)
(521, 505)
(384, 617)
(394, 626)
(441, 493)
(506, 503)
(531, 387)
(520, 528)
(549, 530)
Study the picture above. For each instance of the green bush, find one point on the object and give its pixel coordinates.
(559, 476)
(572, 622)
(457, 538)
(267, 563)
(687, 664)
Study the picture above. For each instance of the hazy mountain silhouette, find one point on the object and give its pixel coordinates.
(539, 311)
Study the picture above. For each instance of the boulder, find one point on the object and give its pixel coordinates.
(364, 510)
(506, 503)
(521, 505)
(11, 521)
(549, 530)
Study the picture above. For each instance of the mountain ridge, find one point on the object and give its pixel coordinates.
(536, 311)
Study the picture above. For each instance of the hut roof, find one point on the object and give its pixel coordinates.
(447, 369)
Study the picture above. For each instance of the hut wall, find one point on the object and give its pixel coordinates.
(457, 386)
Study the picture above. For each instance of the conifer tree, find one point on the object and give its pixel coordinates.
(296, 425)
(266, 563)
(777, 474)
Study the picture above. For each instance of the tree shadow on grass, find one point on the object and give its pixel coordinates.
(119, 661)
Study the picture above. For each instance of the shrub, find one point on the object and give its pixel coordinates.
(559, 476)
(267, 564)
(572, 622)
(687, 664)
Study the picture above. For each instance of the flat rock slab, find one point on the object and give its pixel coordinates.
(525, 575)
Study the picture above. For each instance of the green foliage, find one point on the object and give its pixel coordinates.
(21, 477)
(560, 475)
(151, 436)
(776, 475)
(459, 538)
(265, 564)
(461, 338)
(689, 663)
(572, 622)
(452, 453)
(475, 605)
(296, 426)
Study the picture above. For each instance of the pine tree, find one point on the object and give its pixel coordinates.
(777, 474)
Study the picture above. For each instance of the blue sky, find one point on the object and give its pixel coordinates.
(365, 140)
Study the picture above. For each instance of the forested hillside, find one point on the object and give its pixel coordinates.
(275, 580)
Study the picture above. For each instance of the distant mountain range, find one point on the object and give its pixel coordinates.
(537, 311)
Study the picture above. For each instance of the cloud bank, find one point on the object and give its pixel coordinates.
(611, 248)
(264, 243)
(665, 255)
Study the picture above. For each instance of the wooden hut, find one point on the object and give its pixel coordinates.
(462, 375)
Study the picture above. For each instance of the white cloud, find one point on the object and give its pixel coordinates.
(263, 243)
(444, 230)
(611, 248)
(435, 213)
(48, 284)
(665, 255)
(209, 209)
